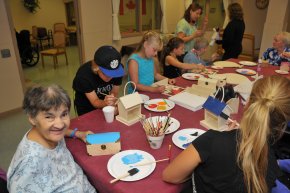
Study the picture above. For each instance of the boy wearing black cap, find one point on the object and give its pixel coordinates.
(97, 82)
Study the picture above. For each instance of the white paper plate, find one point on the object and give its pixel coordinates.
(245, 71)
(159, 105)
(184, 137)
(120, 163)
(248, 63)
(191, 76)
(174, 123)
(144, 97)
(281, 72)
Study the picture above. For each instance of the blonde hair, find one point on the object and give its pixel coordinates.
(264, 121)
(151, 37)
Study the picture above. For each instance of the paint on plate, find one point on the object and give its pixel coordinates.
(132, 158)
(182, 138)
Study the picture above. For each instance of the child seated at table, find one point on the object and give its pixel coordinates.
(42, 163)
(142, 65)
(172, 67)
(242, 160)
(199, 48)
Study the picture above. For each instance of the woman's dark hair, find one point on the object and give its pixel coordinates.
(40, 98)
(235, 11)
(191, 7)
(171, 45)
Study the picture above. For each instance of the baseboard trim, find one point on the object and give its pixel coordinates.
(6, 113)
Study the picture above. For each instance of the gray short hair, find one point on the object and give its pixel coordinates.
(39, 98)
(199, 43)
(285, 38)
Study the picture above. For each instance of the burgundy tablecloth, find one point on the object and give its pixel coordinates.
(133, 137)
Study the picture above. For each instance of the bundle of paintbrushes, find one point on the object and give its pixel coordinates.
(155, 126)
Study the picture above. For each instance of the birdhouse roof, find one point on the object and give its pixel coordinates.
(131, 100)
(214, 105)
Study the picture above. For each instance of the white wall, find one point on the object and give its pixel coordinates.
(254, 20)
(96, 25)
(10, 77)
(50, 12)
(276, 21)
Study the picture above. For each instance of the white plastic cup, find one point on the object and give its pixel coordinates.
(109, 113)
(155, 141)
(285, 66)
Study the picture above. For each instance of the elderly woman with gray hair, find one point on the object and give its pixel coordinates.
(280, 52)
(199, 48)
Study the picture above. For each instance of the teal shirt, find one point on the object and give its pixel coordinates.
(145, 70)
(187, 29)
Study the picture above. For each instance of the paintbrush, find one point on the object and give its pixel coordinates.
(166, 103)
(227, 117)
(150, 162)
(130, 172)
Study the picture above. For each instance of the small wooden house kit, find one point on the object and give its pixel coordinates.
(103, 143)
(213, 109)
(205, 87)
(129, 107)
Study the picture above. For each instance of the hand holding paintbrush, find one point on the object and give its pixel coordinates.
(110, 99)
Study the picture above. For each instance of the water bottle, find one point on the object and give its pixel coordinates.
(259, 66)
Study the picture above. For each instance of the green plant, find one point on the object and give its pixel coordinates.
(31, 5)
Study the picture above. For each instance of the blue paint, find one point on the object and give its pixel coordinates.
(186, 145)
(132, 158)
(182, 138)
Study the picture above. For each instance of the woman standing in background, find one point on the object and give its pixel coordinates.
(186, 28)
(233, 33)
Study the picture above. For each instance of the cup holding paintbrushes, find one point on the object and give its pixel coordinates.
(155, 128)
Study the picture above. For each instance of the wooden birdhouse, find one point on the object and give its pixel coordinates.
(205, 87)
(129, 107)
(215, 113)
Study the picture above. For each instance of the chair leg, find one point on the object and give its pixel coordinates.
(54, 62)
(66, 58)
(42, 61)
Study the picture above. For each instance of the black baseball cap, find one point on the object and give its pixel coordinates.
(109, 61)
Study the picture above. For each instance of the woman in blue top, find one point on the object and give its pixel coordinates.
(280, 51)
(186, 28)
(142, 65)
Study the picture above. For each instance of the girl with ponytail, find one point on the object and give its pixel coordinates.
(239, 160)
(172, 67)
(143, 64)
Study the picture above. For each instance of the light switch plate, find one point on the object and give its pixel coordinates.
(5, 53)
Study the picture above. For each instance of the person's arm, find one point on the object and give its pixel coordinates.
(190, 37)
(204, 24)
(158, 76)
(181, 168)
(115, 90)
(174, 62)
(133, 73)
(77, 134)
(286, 55)
(99, 103)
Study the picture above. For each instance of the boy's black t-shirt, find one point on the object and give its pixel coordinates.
(87, 81)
